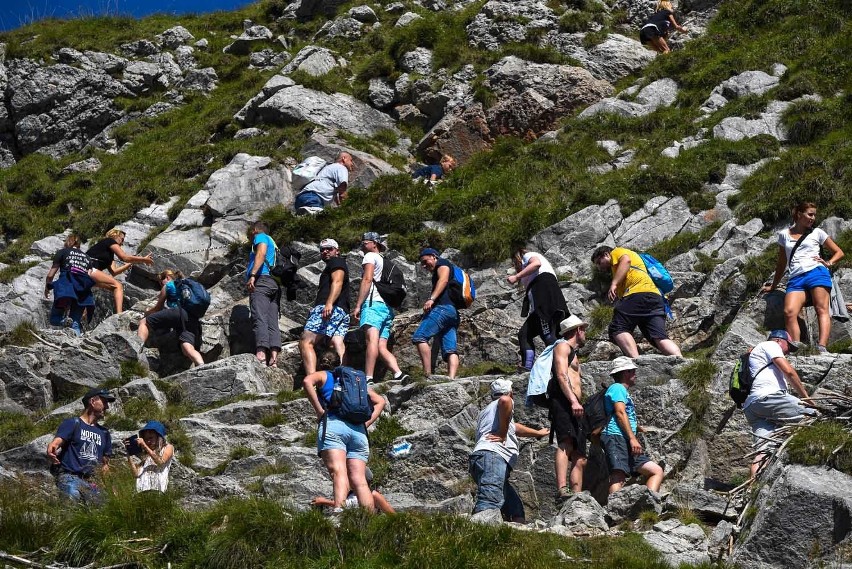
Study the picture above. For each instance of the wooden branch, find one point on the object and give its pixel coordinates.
(20, 560)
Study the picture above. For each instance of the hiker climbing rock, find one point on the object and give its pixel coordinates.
(264, 295)
(657, 28)
(103, 254)
(329, 186)
(72, 291)
(329, 318)
(809, 276)
(440, 316)
(435, 172)
(638, 301)
(544, 305)
(624, 453)
(169, 314)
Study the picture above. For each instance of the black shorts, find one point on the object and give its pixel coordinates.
(647, 33)
(619, 457)
(643, 309)
(187, 327)
(566, 425)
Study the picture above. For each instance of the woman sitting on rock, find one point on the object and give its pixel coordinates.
(799, 253)
(152, 473)
(657, 28)
(103, 254)
(167, 314)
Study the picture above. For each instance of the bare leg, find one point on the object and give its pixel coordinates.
(193, 354)
(339, 347)
(667, 347)
(143, 331)
(309, 355)
(453, 365)
(659, 45)
(358, 482)
(755, 464)
(381, 503)
(625, 341)
(335, 462)
(563, 451)
(106, 281)
(822, 297)
(388, 356)
(372, 353)
(793, 303)
(616, 480)
(654, 473)
(425, 356)
(578, 465)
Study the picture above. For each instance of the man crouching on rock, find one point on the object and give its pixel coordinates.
(496, 452)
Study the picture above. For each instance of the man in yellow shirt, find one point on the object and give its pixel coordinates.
(638, 301)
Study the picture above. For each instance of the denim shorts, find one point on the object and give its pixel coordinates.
(619, 457)
(441, 322)
(818, 276)
(340, 435)
(336, 325)
(378, 315)
(308, 199)
(78, 488)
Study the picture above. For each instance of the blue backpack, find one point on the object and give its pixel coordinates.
(462, 291)
(658, 273)
(194, 298)
(350, 400)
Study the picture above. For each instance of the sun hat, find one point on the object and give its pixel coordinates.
(621, 363)
(376, 238)
(429, 251)
(97, 392)
(155, 426)
(326, 243)
(500, 387)
(571, 323)
(783, 335)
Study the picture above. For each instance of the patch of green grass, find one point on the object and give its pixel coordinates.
(271, 469)
(759, 269)
(286, 395)
(272, 419)
(647, 519)
(131, 369)
(30, 516)
(682, 242)
(310, 439)
(21, 335)
(599, 319)
(824, 443)
(17, 429)
(387, 430)
(237, 453)
(697, 377)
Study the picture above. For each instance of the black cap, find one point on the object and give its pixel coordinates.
(97, 392)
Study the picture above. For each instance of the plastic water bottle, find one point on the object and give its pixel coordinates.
(400, 449)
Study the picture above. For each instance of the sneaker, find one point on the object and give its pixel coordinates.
(308, 210)
(563, 494)
(822, 349)
(404, 379)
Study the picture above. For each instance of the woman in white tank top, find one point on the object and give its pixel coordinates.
(152, 473)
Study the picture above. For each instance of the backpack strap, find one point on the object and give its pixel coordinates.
(801, 238)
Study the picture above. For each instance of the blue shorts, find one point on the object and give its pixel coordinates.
(619, 457)
(308, 199)
(336, 325)
(441, 322)
(379, 316)
(341, 435)
(818, 276)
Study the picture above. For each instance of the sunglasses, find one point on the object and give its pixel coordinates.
(326, 249)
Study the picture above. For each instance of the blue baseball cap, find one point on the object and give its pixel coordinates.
(155, 426)
(783, 335)
(429, 251)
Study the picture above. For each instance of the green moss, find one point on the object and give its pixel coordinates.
(825, 443)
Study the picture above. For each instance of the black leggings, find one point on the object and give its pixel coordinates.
(532, 327)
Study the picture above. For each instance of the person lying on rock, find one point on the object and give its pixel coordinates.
(72, 291)
(103, 254)
(168, 314)
(624, 453)
(637, 301)
(496, 453)
(342, 441)
(155, 461)
(81, 449)
(435, 172)
(379, 500)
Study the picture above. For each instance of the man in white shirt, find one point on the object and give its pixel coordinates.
(328, 187)
(769, 405)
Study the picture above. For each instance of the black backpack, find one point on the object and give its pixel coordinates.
(392, 285)
(594, 410)
(285, 267)
(741, 379)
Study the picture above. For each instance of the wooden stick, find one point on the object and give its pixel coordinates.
(20, 560)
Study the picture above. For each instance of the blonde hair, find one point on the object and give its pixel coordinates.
(449, 160)
(665, 5)
(73, 240)
(170, 273)
(115, 232)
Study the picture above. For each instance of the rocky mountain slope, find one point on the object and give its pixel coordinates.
(571, 135)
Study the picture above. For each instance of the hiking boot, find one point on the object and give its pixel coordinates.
(563, 494)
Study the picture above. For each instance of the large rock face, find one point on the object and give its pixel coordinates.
(777, 537)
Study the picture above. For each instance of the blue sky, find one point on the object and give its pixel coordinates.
(14, 13)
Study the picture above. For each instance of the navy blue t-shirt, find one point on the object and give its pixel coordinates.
(445, 296)
(86, 446)
(428, 171)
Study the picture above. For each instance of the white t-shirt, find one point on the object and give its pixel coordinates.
(770, 380)
(327, 180)
(489, 422)
(804, 260)
(379, 262)
(545, 267)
